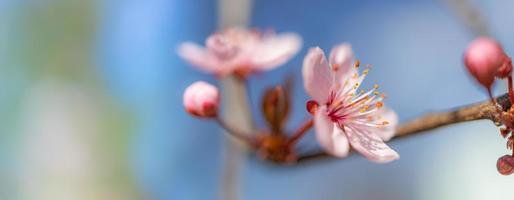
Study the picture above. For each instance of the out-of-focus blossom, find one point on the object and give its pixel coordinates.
(241, 51)
(201, 99)
(345, 117)
(483, 58)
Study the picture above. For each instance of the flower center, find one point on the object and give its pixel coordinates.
(222, 46)
(345, 105)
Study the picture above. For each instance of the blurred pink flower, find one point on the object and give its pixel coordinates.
(483, 58)
(241, 51)
(345, 117)
(201, 99)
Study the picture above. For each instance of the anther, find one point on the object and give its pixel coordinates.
(379, 104)
(357, 63)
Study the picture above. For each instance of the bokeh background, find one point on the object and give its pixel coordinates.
(90, 100)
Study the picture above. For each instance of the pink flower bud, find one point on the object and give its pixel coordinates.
(483, 57)
(505, 165)
(201, 99)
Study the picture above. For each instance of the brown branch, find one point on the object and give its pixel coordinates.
(242, 136)
(478, 111)
(470, 15)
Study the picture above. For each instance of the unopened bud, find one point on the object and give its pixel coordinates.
(275, 107)
(201, 99)
(483, 58)
(505, 165)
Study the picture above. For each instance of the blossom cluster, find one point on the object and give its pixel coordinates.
(343, 116)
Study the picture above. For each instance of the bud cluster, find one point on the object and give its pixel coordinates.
(486, 60)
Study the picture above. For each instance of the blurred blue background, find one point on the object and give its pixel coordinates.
(91, 100)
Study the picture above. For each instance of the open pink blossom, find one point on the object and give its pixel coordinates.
(241, 51)
(346, 117)
(201, 99)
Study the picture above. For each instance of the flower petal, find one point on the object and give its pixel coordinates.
(340, 143)
(198, 57)
(331, 138)
(275, 50)
(341, 59)
(370, 145)
(317, 76)
(324, 128)
(386, 114)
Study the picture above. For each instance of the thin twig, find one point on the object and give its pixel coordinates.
(469, 15)
(478, 111)
(235, 133)
(300, 132)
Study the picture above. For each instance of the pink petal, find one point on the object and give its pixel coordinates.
(332, 139)
(370, 145)
(199, 57)
(276, 50)
(324, 128)
(388, 131)
(340, 143)
(348, 79)
(317, 76)
(341, 59)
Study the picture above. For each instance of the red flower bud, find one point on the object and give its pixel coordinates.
(505, 165)
(275, 107)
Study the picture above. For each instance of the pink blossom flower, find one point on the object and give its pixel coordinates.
(241, 51)
(201, 99)
(346, 117)
(483, 58)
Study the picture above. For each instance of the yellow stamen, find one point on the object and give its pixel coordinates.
(364, 108)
